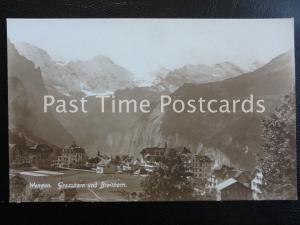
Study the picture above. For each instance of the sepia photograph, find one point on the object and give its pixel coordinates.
(127, 110)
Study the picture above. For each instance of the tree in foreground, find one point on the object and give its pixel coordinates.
(169, 181)
(278, 163)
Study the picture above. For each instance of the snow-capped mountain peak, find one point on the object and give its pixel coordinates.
(227, 69)
(196, 74)
(96, 75)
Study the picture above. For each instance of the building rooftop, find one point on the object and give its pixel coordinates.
(41, 147)
(73, 149)
(180, 150)
(203, 158)
(226, 184)
(11, 146)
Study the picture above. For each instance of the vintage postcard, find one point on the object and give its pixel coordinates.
(151, 110)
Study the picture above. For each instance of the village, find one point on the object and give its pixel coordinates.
(30, 166)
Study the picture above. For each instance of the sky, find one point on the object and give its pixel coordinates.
(144, 45)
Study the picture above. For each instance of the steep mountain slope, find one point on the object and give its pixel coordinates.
(90, 129)
(238, 135)
(97, 75)
(160, 75)
(234, 137)
(25, 98)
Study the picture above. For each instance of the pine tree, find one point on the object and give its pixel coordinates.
(279, 153)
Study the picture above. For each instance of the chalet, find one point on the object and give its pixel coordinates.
(154, 154)
(150, 166)
(41, 155)
(183, 151)
(72, 156)
(140, 172)
(226, 172)
(243, 177)
(135, 164)
(18, 155)
(104, 162)
(223, 173)
(125, 167)
(201, 167)
(231, 189)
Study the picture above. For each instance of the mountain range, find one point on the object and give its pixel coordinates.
(168, 81)
(236, 137)
(230, 138)
(78, 78)
(100, 75)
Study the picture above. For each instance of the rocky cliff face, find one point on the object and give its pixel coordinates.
(237, 135)
(230, 138)
(146, 132)
(95, 76)
(26, 90)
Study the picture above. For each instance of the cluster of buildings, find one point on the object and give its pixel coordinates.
(226, 182)
(39, 155)
(199, 166)
(45, 156)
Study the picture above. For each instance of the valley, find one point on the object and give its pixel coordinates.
(178, 120)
